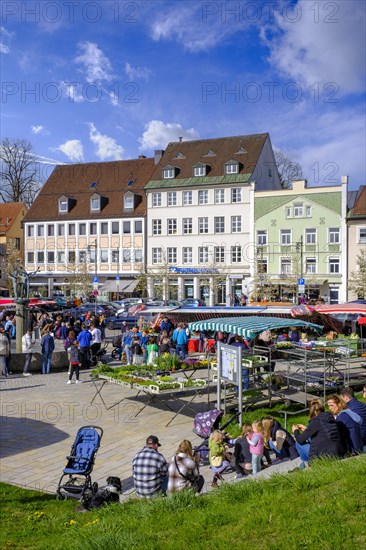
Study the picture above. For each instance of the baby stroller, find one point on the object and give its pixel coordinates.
(204, 425)
(80, 464)
(117, 347)
(99, 357)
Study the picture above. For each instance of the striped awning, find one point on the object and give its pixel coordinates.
(250, 327)
(332, 309)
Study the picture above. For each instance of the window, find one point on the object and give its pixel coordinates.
(156, 255)
(138, 255)
(168, 173)
(310, 236)
(138, 226)
(82, 256)
(126, 256)
(172, 227)
(40, 257)
(219, 223)
(231, 168)
(334, 235)
(72, 256)
(187, 198)
(236, 254)
(156, 227)
(92, 253)
(203, 254)
(40, 231)
(126, 227)
(308, 211)
(298, 210)
(172, 255)
(286, 267)
(50, 257)
(235, 224)
(115, 228)
(310, 265)
(115, 256)
(288, 212)
(104, 228)
(17, 243)
(172, 198)
(203, 197)
(219, 196)
(334, 265)
(262, 265)
(71, 229)
(156, 199)
(82, 228)
(30, 257)
(63, 206)
(50, 230)
(30, 231)
(199, 170)
(236, 195)
(285, 236)
(187, 226)
(202, 225)
(219, 252)
(61, 258)
(262, 238)
(104, 256)
(128, 202)
(92, 228)
(187, 255)
(362, 235)
(61, 230)
(95, 204)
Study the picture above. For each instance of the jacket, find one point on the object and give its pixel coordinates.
(27, 343)
(256, 443)
(4, 345)
(242, 452)
(47, 343)
(85, 339)
(349, 424)
(360, 408)
(325, 436)
(182, 337)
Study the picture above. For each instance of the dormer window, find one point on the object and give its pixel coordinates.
(95, 203)
(199, 170)
(128, 201)
(231, 167)
(63, 205)
(168, 172)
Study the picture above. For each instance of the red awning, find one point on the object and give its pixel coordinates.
(330, 309)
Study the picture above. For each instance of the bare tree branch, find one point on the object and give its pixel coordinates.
(287, 169)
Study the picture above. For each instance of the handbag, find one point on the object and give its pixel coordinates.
(193, 480)
(216, 461)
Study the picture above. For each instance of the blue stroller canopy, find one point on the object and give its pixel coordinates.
(85, 446)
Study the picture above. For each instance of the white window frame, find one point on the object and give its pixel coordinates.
(156, 200)
(187, 198)
(51, 230)
(104, 256)
(172, 198)
(262, 237)
(172, 254)
(50, 256)
(310, 236)
(61, 230)
(104, 228)
(30, 257)
(40, 257)
(82, 227)
(310, 266)
(232, 168)
(138, 256)
(93, 228)
(236, 225)
(30, 230)
(199, 171)
(203, 254)
(219, 224)
(285, 237)
(219, 196)
(203, 196)
(61, 257)
(236, 195)
(286, 266)
(63, 206)
(362, 235)
(236, 254)
(187, 254)
(95, 204)
(219, 254)
(156, 227)
(126, 256)
(187, 226)
(138, 229)
(126, 227)
(334, 265)
(71, 230)
(156, 255)
(308, 211)
(168, 173)
(172, 226)
(334, 235)
(298, 210)
(40, 230)
(115, 256)
(288, 212)
(203, 226)
(262, 262)
(128, 203)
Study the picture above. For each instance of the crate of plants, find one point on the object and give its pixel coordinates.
(165, 384)
(193, 383)
(167, 363)
(254, 360)
(194, 363)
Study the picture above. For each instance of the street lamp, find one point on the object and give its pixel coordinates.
(299, 248)
(117, 277)
(95, 280)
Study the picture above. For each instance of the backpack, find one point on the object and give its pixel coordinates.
(104, 495)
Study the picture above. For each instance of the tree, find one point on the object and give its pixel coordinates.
(357, 279)
(12, 258)
(18, 172)
(288, 170)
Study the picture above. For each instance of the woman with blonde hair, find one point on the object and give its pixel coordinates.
(321, 437)
(278, 439)
(183, 470)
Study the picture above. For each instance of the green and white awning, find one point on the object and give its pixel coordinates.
(250, 327)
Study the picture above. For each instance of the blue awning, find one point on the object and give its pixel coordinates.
(250, 327)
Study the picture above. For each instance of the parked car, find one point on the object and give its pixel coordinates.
(164, 303)
(62, 301)
(102, 309)
(193, 302)
(116, 322)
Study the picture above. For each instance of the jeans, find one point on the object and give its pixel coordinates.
(280, 454)
(181, 348)
(84, 357)
(256, 463)
(128, 351)
(245, 379)
(28, 359)
(3, 365)
(303, 451)
(46, 362)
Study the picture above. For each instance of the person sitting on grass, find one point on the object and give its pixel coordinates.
(349, 424)
(348, 397)
(183, 470)
(242, 454)
(279, 440)
(150, 469)
(321, 437)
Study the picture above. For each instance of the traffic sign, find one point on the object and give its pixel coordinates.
(95, 279)
(117, 278)
(301, 281)
(301, 289)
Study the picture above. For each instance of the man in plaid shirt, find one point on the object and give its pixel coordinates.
(150, 469)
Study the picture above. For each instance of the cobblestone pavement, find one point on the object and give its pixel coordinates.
(40, 416)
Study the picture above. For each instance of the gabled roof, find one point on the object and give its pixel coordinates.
(222, 150)
(9, 211)
(73, 181)
(359, 208)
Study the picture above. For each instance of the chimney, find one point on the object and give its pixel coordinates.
(344, 180)
(141, 157)
(158, 153)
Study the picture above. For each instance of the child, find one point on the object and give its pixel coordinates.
(217, 456)
(242, 454)
(152, 350)
(74, 362)
(136, 351)
(256, 442)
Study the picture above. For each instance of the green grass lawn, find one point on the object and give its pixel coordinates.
(323, 507)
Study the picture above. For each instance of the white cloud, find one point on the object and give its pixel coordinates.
(73, 149)
(323, 47)
(38, 129)
(106, 147)
(96, 65)
(6, 38)
(72, 91)
(137, 73)
(159, 134)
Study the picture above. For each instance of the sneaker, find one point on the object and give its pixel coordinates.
(239, 476)
(214, 484)
(27, 374)
(69, 381)
(79, 382)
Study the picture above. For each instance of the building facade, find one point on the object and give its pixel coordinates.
(11, 235)
(356, 227)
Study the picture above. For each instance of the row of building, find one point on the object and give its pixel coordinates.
(205, 219)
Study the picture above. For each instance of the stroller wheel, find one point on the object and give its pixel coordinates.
(95, 487)
(60, 496)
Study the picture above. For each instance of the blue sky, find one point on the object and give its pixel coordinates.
(99, 81)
